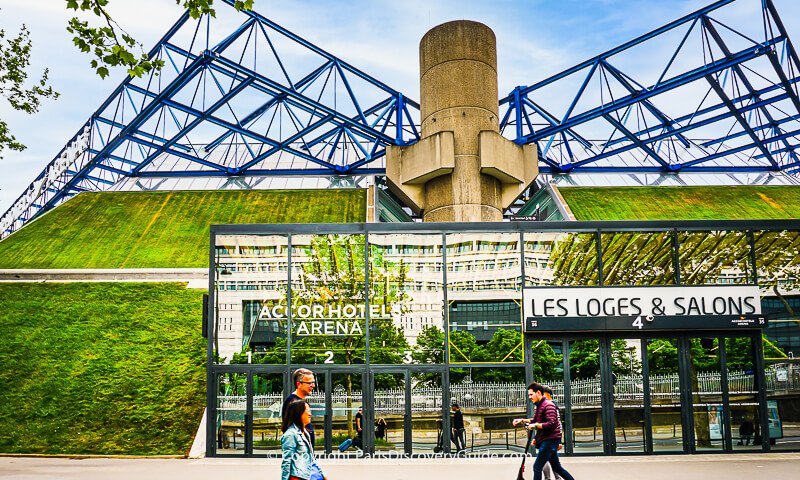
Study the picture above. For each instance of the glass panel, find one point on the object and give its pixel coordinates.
(250, 302)
(328, 308)
(484, 295)
(628, 394)
(665, 402)
(489, 399)
(346, 411)
(406, 299)
(777, 257)
(706, 394)
(231, 411)
(778, 263)
(267, 401)
(745, 421)
(318, 411)
(560, 259)
(714, 258)
(638, 258)
(390, 409)
(783, 385)
(548, 369)
(426, 415)
(587, 419)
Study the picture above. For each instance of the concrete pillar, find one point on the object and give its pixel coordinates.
(458, 88)
(462, 170)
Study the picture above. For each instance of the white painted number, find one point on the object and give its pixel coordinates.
(407, 358)
(330, 356)
(637, 323)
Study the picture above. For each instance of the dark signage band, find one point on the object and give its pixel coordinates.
(643, 323)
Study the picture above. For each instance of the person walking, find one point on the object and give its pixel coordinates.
(358, 442)
(547, 470)
(548, 432)
(304, 384)
(298, 461)
(458, 435)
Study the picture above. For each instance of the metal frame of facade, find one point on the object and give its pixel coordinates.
(612, 122)
(316, 114)
(368, 370)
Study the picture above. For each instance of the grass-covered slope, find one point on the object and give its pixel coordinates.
(101, 368)
(162, 229)
(683, 203)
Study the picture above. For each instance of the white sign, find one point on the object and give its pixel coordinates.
(637, 301)
(328, 312)
(328, 327)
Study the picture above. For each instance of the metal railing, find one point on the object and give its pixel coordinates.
(478, 395)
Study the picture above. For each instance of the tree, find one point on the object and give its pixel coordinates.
(545, 362)
(429, 349)
(111, 45)
(662, 356)
(505, 346)
(584, 359)
(15, 55)
(624, 359)
(105, 40)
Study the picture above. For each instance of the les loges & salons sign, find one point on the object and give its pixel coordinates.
(642, 308)
(316, 319)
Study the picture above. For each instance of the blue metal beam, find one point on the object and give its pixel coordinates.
(625, 46)
(650, 92)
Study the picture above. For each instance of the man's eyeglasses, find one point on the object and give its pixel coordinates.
(309, 383)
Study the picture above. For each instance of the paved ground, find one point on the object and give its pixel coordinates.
(773, 466)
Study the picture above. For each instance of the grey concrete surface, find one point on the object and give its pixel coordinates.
(773, 466)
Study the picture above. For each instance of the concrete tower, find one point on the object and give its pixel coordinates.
(462, 169)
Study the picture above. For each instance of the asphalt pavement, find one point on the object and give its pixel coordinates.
(684, 467)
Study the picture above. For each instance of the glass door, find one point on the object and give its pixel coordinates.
(628, 395)
(231, 413)
(585, 396)
(248, 412)
(666, 429)
(406, 414)
(708, 411)
(391, 408)
(268, 396)
(336, 409)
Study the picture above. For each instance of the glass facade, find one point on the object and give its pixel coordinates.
(399, 322)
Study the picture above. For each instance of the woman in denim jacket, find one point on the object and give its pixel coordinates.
(298, 452)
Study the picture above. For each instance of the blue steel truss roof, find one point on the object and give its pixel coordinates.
(258, 100)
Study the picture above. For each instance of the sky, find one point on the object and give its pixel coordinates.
(535, 39)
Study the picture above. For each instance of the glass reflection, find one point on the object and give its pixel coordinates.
(231, 413)
(585, 396)
(251, 285)
(717, 257)
(389, 403)
(489, 399)
(638, 258)
(406, 296)
(573, 259)
(267, 401)
(425, 413)
(744, 417)
(626, 366)
(484, 296)
(665, 402)
(327, 303)
(709, 414)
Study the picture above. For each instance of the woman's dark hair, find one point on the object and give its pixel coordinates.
(294, 415)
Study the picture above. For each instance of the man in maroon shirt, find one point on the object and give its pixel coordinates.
(548, 432)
